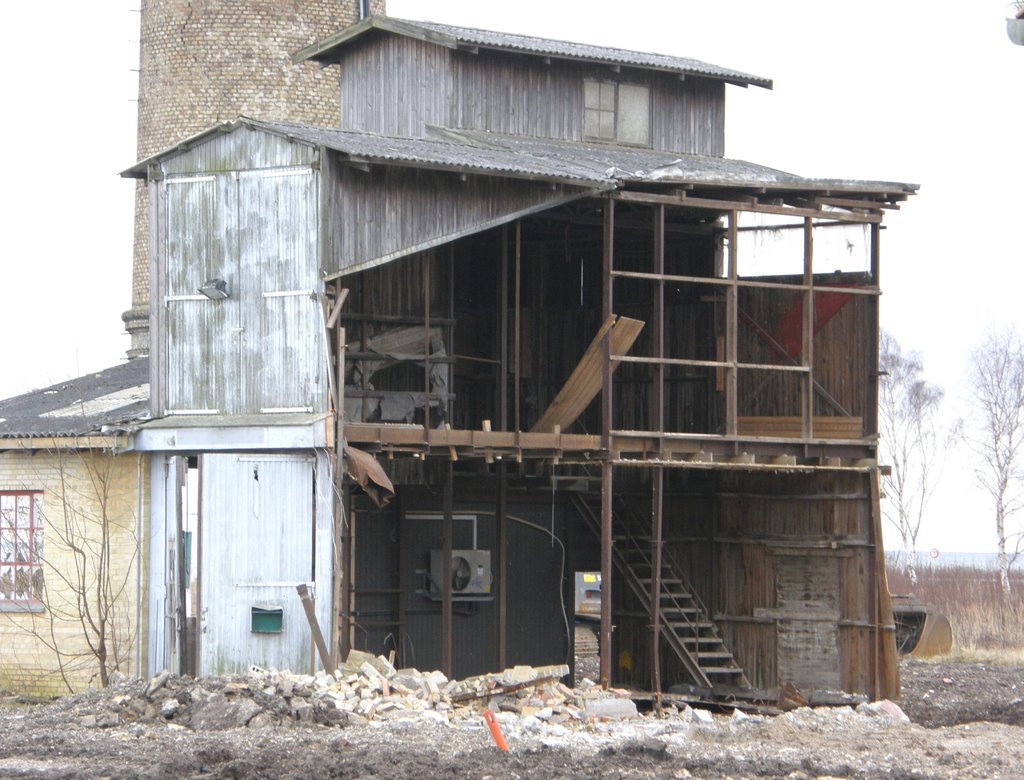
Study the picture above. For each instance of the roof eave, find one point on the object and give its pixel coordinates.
(323, 51)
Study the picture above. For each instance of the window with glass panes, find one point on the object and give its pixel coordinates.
(21, 547)
(616, 112)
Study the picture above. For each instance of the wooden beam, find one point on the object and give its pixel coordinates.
(731, 326)
(339, 302)
(516, 347)
(852, 203)
(607, 290)
(503, 332)
(705, 363)
(590, 377)
(807, 399)
(501, 567)
(426, 340)
(687, 201)
(871, 381)
(446, 586)
(657, 508)
(345, 587)
(605, 637)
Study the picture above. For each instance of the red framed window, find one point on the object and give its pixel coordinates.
(21, 547)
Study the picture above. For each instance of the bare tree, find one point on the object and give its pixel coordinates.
(997, 384)
(907, 412)
(88, 555)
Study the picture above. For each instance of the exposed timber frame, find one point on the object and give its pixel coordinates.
(807, 443)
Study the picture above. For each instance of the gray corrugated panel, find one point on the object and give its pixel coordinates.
(435, 153)
(80, 406)
(634, 165)
(455, 153)
(257, 545)
(449, 35)
(592, 164)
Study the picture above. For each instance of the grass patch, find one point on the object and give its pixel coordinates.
(988, 625)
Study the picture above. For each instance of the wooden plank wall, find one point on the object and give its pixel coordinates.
(393, 85)
(765, 521)
(397, 86)
(842, 353)
(389, 212)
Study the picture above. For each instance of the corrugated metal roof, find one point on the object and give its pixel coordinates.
(592, 165)
(454, 37)
(629, 164)
(81, 406)
(450, 154)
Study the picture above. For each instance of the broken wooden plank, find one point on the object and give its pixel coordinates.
(584, 383)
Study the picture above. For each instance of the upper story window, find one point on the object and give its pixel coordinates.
(21, 549)
(616, 112)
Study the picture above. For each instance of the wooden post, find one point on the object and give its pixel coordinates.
(338, 504)
(731, 327)
(807, 401)
(500, 566)
(658, 477)
(605, 640)
(426, 345)
(446, 597)
(348, 520)
(657, 508)
(503, 334)
(516, 349)
(871, 402)
(658, 332)
(314, 627)
(607, 264)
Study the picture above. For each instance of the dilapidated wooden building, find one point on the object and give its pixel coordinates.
(573, 336)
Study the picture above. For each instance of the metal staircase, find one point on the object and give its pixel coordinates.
(686, 625)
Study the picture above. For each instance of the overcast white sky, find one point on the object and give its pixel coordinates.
(924, 92)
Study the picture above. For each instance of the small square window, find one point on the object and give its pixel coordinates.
(616, 112)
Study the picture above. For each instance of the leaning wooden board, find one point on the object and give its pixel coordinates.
(584, 383)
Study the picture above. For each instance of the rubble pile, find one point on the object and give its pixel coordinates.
(366, 688)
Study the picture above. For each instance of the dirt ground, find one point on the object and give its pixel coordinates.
(967, 721)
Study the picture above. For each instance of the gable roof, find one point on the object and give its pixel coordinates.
(77, 407)
(326, 50)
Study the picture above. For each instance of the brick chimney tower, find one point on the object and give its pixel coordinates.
(207, 61)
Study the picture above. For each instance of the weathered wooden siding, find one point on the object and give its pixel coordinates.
(260, 349)
(240, 150)
(792, 584)
(843, 353)
(395, 85)
(390, 212)
(201, 359)
(398, 86)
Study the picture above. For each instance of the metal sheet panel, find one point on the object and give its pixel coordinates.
(257, 545)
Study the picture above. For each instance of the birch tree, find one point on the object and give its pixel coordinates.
(907, 418)
(997, 436)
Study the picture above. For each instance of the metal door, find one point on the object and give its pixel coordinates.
(257, 527)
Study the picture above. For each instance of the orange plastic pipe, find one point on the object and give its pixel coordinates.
(492, 724)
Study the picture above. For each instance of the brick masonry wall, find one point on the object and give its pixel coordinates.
(208, 61)
(71, 492)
